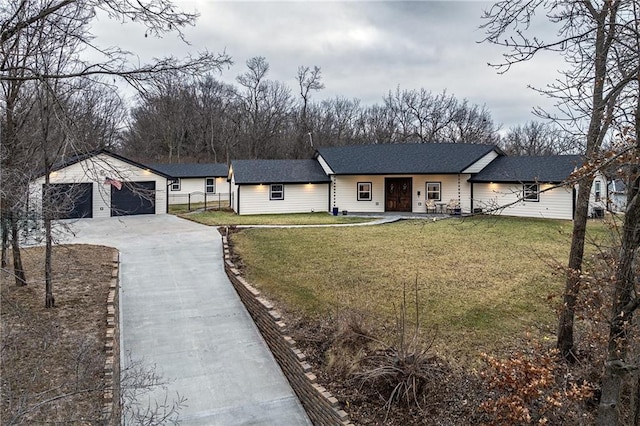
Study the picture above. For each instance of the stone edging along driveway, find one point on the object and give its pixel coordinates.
(321, 406)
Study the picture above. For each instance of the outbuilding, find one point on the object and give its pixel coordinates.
(100, 184)
(196, 182)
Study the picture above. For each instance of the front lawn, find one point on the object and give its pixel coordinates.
(483, 283)
(227, 218)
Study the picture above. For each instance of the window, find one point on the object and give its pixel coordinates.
(175, 185)
(597, 190)
(210, 185)
(364, 191)
(433, 191)
(531, 192)
(277, 192)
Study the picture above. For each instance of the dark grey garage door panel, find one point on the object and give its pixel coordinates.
(133, 198)
(68, 200)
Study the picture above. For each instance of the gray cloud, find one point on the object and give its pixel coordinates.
(365, 48)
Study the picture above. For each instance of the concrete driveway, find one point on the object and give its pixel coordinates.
(181, 313)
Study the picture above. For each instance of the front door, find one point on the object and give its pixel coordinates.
(397, 194)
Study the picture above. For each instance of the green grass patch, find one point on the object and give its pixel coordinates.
(482, 283)
(223, 218)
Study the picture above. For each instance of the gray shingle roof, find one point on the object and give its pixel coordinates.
(193, 170)
(443, 158)
(552, 169)
(87, 155)
(277, 171)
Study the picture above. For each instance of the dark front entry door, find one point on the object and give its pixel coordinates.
(397, 194)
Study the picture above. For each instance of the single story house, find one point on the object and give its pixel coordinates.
(278, 186)
(196, 182)
(417, 178)
(100, 184)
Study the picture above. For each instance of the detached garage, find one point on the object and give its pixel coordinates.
(100, 184)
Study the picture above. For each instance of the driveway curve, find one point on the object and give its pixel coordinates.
(180, 313)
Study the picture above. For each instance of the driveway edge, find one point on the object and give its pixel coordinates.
(111, 398)
(321, 406)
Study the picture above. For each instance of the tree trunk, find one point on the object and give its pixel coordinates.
(5, 240)
(565, 341)
(624, 304)
(18, 269)
(49, 301)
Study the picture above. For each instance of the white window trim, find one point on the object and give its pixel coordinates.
(369, 191)
(426, 191)
(280, 191)
(597, 190)
(206, 186)
(175, 185)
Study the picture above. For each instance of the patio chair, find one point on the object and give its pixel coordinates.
(431, 206)
(452, 206)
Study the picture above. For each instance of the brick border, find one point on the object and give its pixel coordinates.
(321, 406)
(111, 396)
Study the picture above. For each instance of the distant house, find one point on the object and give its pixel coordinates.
(617, 195)
(193, 182)
(412, 178)
(278, 186)
(101, 184)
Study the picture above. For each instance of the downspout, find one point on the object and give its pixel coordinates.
(471, 197)
(238, 199)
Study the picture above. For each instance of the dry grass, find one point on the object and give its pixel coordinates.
(227, 218)
(483, 283)
(47, 353)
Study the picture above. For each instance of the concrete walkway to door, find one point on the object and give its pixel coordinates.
(181, 314)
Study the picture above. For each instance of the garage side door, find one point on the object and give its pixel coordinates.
(133, 198)
(68, 200)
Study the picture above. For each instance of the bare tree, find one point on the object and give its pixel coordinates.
(586, 94)
(40, 43)
(308, 80)
(537, 138)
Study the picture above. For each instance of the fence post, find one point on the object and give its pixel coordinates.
(189, 202)
(205, 201)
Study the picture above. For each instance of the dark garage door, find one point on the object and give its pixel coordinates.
(68, 200)
(133, 198)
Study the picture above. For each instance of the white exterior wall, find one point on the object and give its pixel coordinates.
(95, 170)
(344, 192)
(555, 203)
(602, 202)
(196, 187)
(234, 194)
(298, 198)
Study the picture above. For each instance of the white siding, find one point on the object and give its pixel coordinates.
(481, 163)
(602, 202)
(344, 192)
(234, 194)
(298, 198)
(95, 170)
(196, 187)
(556, 203)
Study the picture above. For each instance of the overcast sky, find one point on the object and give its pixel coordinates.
(364, 49)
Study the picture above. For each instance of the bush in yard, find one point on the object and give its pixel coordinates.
(533, 388)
